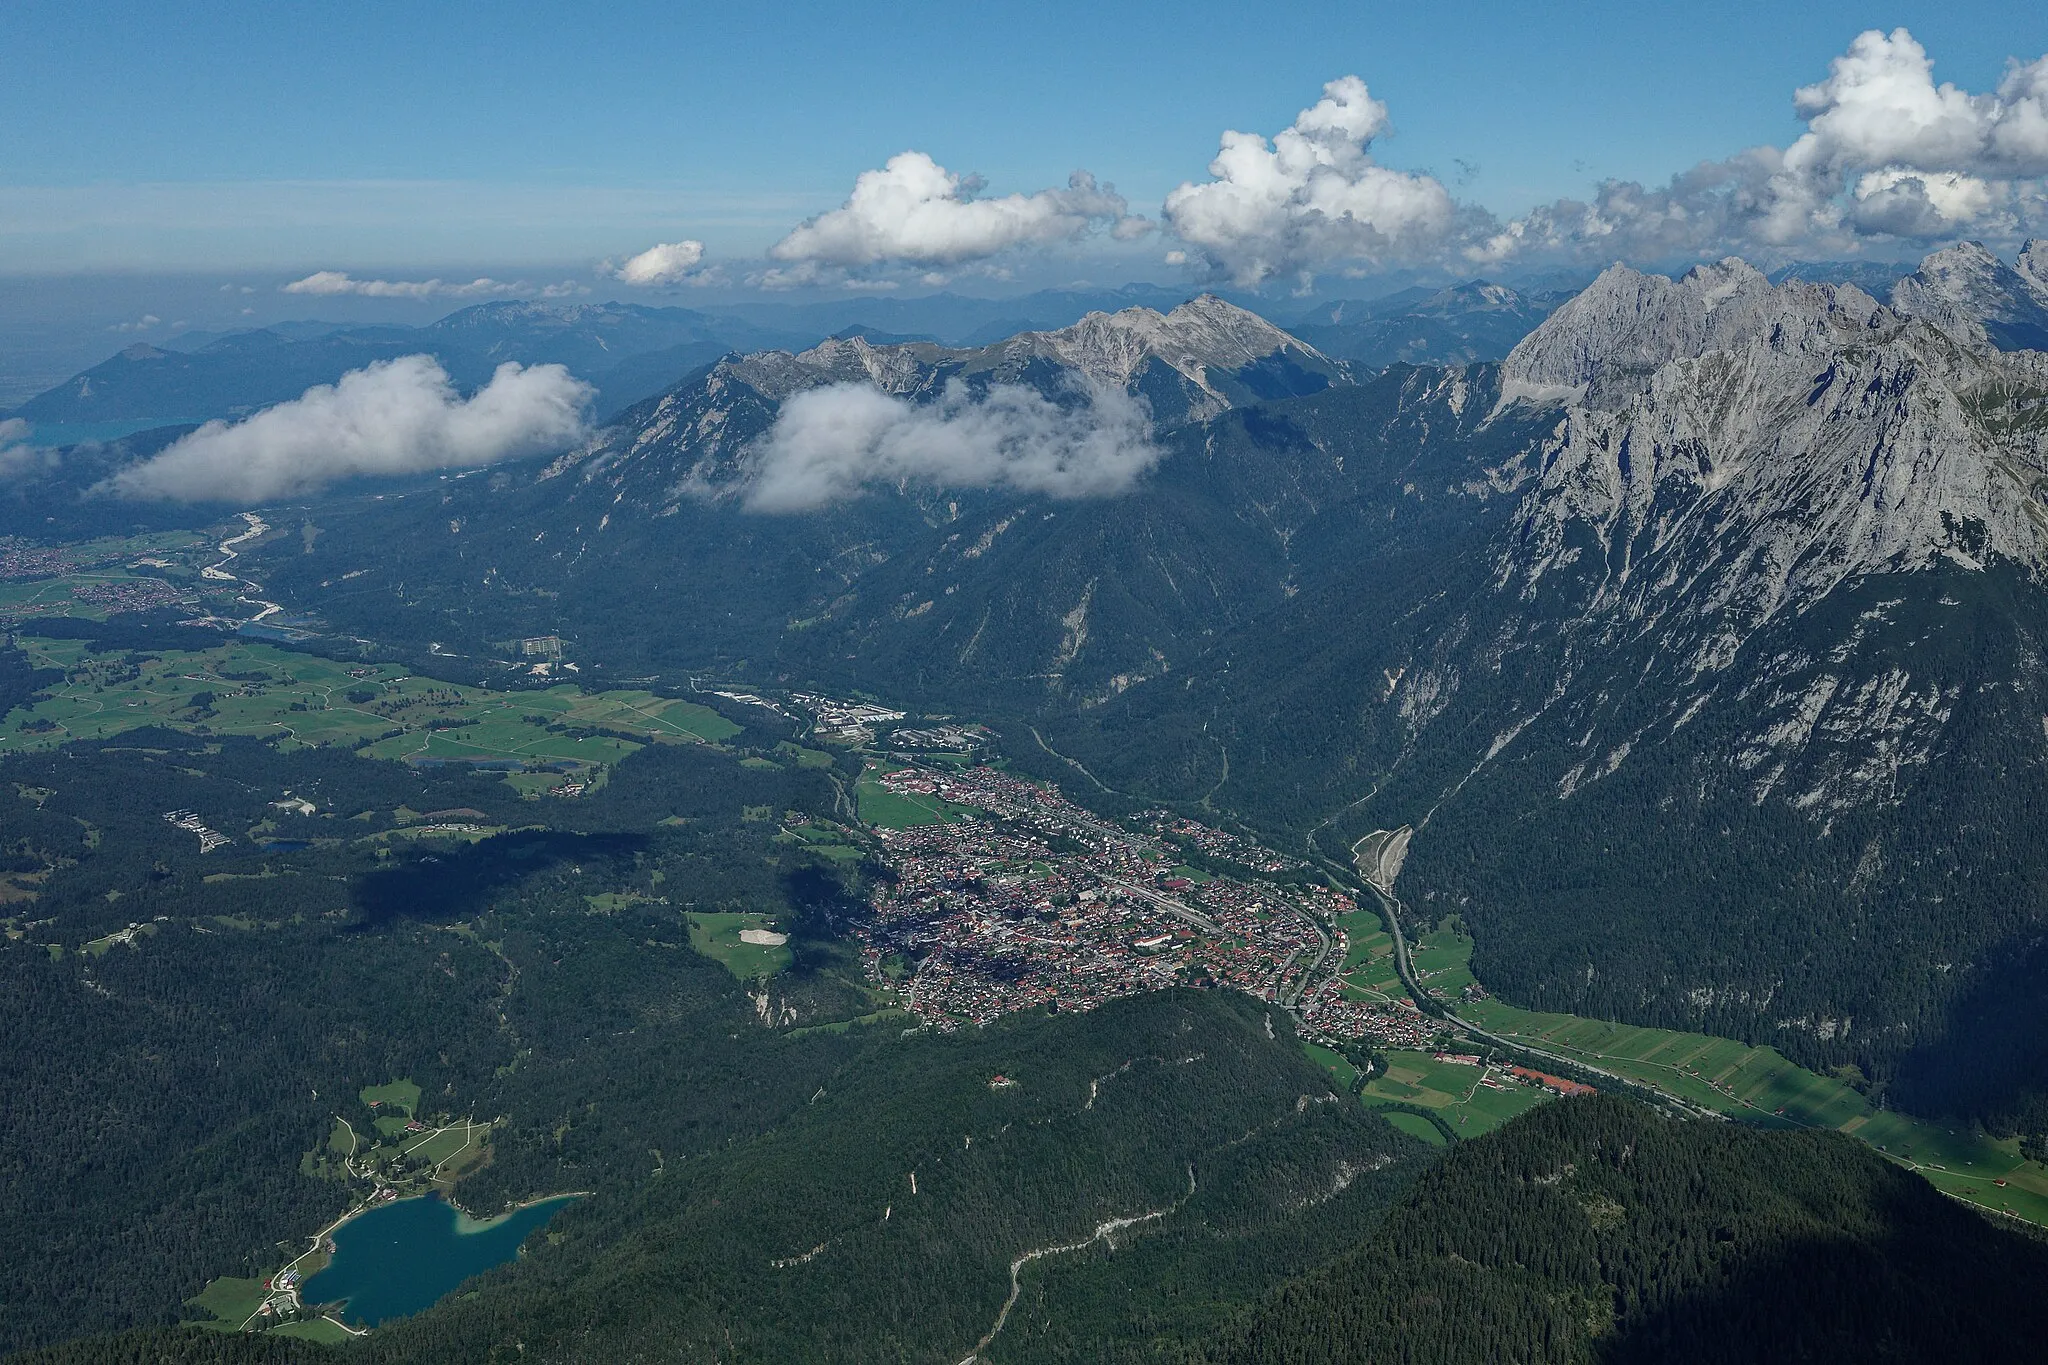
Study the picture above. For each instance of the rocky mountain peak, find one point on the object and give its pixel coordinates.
(1602, 345)
(1205, 333)
(1739, 450)
(2033, 263)
(1979, 300)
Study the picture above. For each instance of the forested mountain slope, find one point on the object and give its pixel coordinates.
(1230, 1225)
(963, 595)
(1597, 1230)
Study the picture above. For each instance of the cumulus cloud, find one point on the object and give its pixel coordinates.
(1311, 197)
(1887, 153)
(828, 442)
(18, 455)
(914, 211)
(665, 263)
(398, 416)
(141, 324)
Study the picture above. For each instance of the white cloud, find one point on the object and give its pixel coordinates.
(664, 263)
(914, 211)
(398, 416)
(330, 283)
(18, 455)
(1887, 153)
(828, 442)
(1312, 197)
(1880, 106)
(141, 324)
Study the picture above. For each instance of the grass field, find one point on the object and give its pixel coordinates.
(1414, 1125)
(1462, 1094)
(823, 841)
(1368, 968)
(314, 1329)
(885, 809)
(395, 1095)
(448, 1144)
(717, 936)
(1755, 1084)
(248, 688)
(230, 1300)
(1336, 1063)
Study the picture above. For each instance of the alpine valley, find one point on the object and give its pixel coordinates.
(1087, 832)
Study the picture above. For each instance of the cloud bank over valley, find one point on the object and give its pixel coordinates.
(394, 417)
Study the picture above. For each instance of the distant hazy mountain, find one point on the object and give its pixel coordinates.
(1875, 278)
(1459, 325)
(627, 350)
(953, 318)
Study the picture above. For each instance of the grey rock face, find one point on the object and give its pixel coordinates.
(1978, 299)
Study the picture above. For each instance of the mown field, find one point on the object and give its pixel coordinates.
(1472, 1099)
(717, 936)
(401, 1095)
(1368, 969)
(885, 809)
(248, 688)
(231, 1300)
(1755, 1084)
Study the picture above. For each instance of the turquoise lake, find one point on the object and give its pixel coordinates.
(403, 1256)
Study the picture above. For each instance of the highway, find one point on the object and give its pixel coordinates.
(1390, 911)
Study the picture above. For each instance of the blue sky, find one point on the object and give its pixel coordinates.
(428, 137)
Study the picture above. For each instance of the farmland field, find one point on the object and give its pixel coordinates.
(1368, 968)
(247, 688)
(1755, 1084)
(1472, 1099)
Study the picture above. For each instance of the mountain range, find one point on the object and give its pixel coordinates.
(630, 352)
(626, 350)
(1705, 564)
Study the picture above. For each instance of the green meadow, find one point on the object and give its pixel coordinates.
(230, 1300)
(1471, 1099)
(248, 688)
(885, 809)
(1368, 969)
(717, 936)
(402, 1095)
(1757, 1085)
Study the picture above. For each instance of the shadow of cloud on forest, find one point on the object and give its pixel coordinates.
(442, 885)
